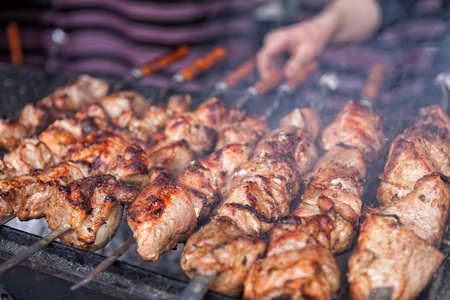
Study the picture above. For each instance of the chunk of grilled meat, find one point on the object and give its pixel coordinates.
(91, 207)
(241, 128)
(204, 182)
(63, 103)
(120, 102)
(430, 198)
(300, 263)
(135, 122)
(335, 191)
(396, 242)
(11, 132)
(207, 180)
(30, 155)
(298, 267)
(186, 136)
(99, 149)
(154, 214)
(26, 195)
(51, 146)
(421, 150)
(261, 192)
(389, 255)
(355, 126)
(221, 248)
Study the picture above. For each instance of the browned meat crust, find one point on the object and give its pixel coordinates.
(161, 209)
(390, 255)
(355, 126)
(91, 207)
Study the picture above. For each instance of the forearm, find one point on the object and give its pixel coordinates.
(347, 21)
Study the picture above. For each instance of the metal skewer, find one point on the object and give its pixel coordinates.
(232, 79)
(33, 249)
(6, 219)
(106, 263)
(198, 67)
(197, 287)
(152, 66)
(260, 88)
(289, 87)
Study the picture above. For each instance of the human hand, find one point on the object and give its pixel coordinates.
(303, 41)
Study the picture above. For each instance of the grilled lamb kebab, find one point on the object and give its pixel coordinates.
(64, 102)
(166, 212)
(397, 243)
(51, 146)
(299, 263)
(259, 194)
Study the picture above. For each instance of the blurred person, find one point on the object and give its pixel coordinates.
(340, 22)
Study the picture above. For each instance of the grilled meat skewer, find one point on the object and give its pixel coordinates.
(204, 181)
(397, 241)
(64, 102)
(300, 261)
(166, 212)
(260, 194)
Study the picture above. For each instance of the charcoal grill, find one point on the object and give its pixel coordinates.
(49, 273)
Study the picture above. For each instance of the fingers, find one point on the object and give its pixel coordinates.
(303, 53)
(275, 43)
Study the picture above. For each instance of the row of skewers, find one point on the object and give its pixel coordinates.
(112, 154)
(96, 142)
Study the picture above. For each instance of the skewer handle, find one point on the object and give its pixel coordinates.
(295, 81)
(203, 64)
(262, 87)
(33, 248)
(374, 82)
(163, 61)
(244, 70)
(197, 287)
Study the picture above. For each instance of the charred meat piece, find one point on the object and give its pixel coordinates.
(207, 179)
(241, 129)
(63, 103)
(30, 155)
(91, 207)
(261, 193)
(99, 149)
(298, 267)
(11, 132)
(355, 126)
(223, 249)
(137, 121)
(421, 150)
(161, 207)
(26, 195)
(335, 191)
(120, 102)
(390, 255)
